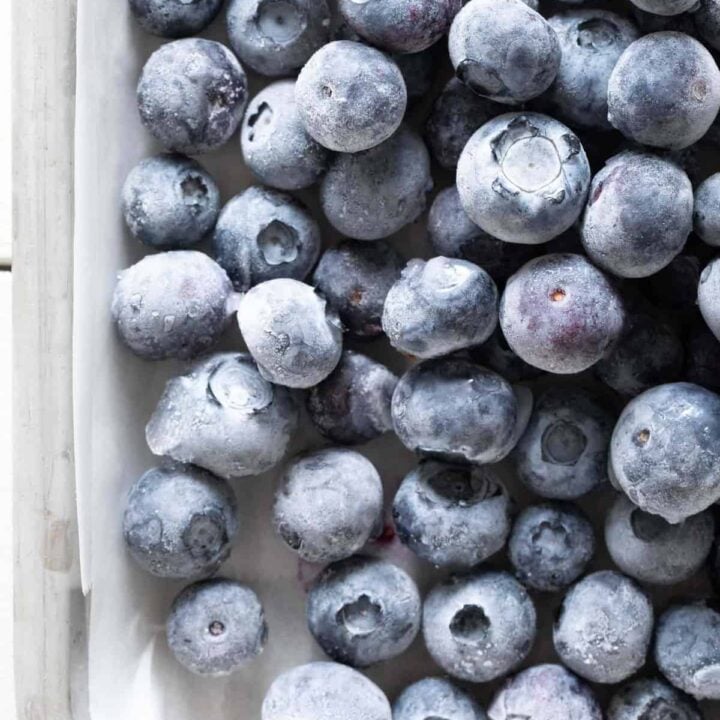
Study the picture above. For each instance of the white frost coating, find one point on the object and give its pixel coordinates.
(709, 296)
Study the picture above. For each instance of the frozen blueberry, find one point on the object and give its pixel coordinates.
(173, 304)
(650, 22)
(651, 699)
(687, 649)
(263, 234)
(275, 144)
(563, 452)
(707, 22)
(350, 97)
(363, 610)
(665, 450)
(170, 201)
(591, 41)
(479, 626)
(191, 95)
(638, 216)
(276, 37)
(551, 545)
(439, 306)
(292, 335)
(352, 405)
(604, 627)
(660, 103)
(545, 692)
(709, 296)
(560, 313)
(702, 358)
(328, 504)
(216, 627)
(706, 214)
(180, 521)
(651, 550)
(324, 691)
(456, 410)
(418, 71)
(174, 18)
(665, 7)
(504, 50)
(452, 515)
(523, 177)
(436, 697)
(373, 194)
(496, 354)
(223, 416)
(354, 277)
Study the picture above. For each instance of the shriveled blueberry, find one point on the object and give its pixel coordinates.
(263, 234)
(352, 405)
(675, 286)
(216, 627)
(373, 194)
(702, 358)
(707, 22)
(651, 550)
(435, 697)
(350, 97)
(363, 610)
(496, 354)
(354, 277)
(223, 416)
(706, 214)
(173, 304)
(560, 313)
(456, 410)
(294, 338)
(504, 50)
(523, 177)
(479, 626)
(709, 296)
(660, 103)
(328, 504)
(452, 515)
(651, 699)
(276, 37)
(418, 71)
(191, 95)
(275, 144)
(174, 18)
(665, 7)
(665, 450)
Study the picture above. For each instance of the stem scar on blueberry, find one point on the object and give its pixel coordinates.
(557, 295)
(216, 628)
(642, 437)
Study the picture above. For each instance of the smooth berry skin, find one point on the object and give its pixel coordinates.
(708, 296)
(174, 18)
(436, 697)
(649, 698)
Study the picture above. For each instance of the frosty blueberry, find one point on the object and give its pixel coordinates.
(707, 22)
(706, 214)
(291, 334)
(191, 95)
(263, 234)
(709, 296)
(223, 416)
(436, 697)
(363, 610)
(651, 699)
(452, 515)
(174, 18)
(523, 177)
(665, 7)
(496, 354)
(216, 627)
(328, 504)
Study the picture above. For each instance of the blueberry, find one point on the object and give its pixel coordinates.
(560, 313)
(675, 286)
(352, 405)
(223, 416)
(707, 22)
(479, 626)
(263, 234)
(363, 610)
(452, 515)
(687, 649)
(706, 215)
(418, 71)
(660, 103)
(276, 37)
(504, 50)
(275, 144)
(373, 194)
(174, 18)
(180, 521)
(591, 41)
(439, 306)
(523, 177)
(650, 22)
(216, 627)
(545, 692)
(435, 697)
(456, 410)
(709, 296)
(651, 550)
(651, 699)
(665, 450)
(191, 95)
(702, 358)
(604, 627)
(292, 335)
(328, 504)
(665, 7)
(350, 97)
(563, 452)
(173, 304)
(496, 354)
(324, 691)
(354, 277)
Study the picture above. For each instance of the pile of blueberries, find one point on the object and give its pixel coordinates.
(554, 252)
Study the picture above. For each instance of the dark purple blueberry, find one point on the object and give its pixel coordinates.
(651, 699)
(174, 18)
